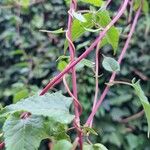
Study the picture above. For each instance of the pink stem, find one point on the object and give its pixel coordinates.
(2, 145)
(108, 2)
(73, 6)
(114, 74)
(72, 55)
(71, 94)
(101, 36)
(97, 70)
(96, 79)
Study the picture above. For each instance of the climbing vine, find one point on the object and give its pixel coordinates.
(47, 115)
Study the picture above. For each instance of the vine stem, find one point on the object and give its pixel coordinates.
(114, 74)
(88, 50)
(96, 78)
(97, 70)
(71, 94)
(2, 145)
(133, 117)
(118, 82)
(77, 106)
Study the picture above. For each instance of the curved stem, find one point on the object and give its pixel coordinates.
(96, 79)
(133, 117)
(71, 94)
(96, 71)
(118, 82)
(100, 37)
(77, 105)
(114, 74)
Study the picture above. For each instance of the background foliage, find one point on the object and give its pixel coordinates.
(28, 61)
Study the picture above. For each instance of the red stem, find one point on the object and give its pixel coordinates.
(71, 94)
(2, 145)
(114, 74)
(101, 36)
(72, 55)
(97, 70)
(96, 78)
(77, 105)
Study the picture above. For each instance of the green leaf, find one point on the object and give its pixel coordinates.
(103, 19)
(133, 140)
(144, 101)
(99, 146)
(54, 31)
(145, 7)
(38, 21)
(92, 30)
(63, 57)
(110, 64)
(62, 145)
(55, 105)
(87, 146)
(24, 134)
(138, 3)
(82, 45)
(88, 63)
(97, 3)
(62, 65)
(96, 146)
(78, 28)
(113, 33)
(59, 131)
(78, 16)
(20, 95)
(25, 3)
(90, 130)
(85, 63)
(17, 52)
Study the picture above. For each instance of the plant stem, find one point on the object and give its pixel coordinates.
(114, 74)
(96, 78)
(71, 95)
(2, 145)
(77, 105)
(118, 82)
(97, 70)
(133, 117)
(98, 39)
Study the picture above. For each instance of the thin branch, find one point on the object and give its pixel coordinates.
(97, 70)
(77, 105)
(114, 74)
(118, 82)
(133, 117)
(75, 144)
(2, 145)
(69, 92)
(141, 75)
(96, 78)
(75, 62)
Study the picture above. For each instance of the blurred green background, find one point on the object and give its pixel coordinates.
(28, 61)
